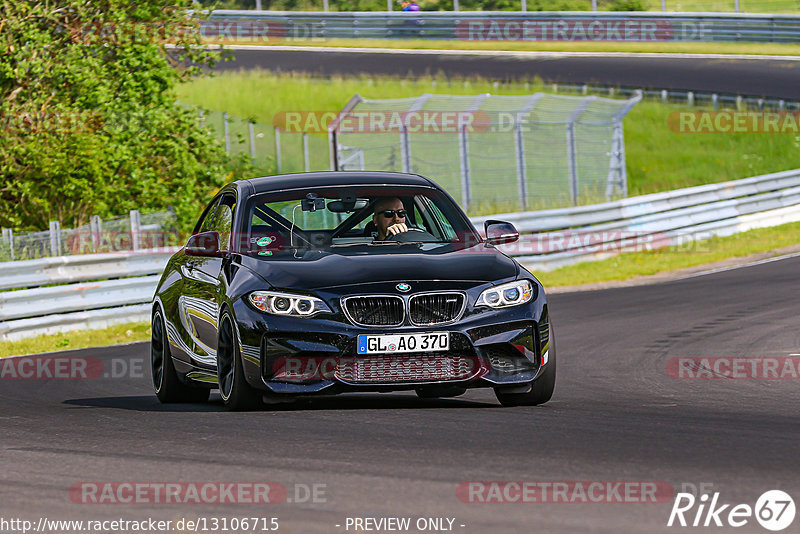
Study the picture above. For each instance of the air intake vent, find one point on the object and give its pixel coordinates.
(405, 369)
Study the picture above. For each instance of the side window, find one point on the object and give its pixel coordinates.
(204, 224)
(223, 221)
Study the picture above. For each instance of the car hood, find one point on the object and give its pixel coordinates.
(325, 269)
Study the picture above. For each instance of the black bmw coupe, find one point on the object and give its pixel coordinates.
(331, 282)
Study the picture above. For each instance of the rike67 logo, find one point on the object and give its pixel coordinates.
(774, 510)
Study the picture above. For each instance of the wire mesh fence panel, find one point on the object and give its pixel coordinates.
(495, 153)
(110, 235)
(32, 246)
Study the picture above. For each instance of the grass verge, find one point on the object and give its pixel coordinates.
(682, 47)
(77, 339)
(631, 265)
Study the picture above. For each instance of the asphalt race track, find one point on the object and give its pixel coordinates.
(775, 78)
(616, 416)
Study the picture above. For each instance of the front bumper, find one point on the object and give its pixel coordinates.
(493, 348)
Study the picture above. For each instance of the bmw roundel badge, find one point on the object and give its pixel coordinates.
(402, 286)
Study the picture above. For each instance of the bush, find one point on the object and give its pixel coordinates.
(89, 115)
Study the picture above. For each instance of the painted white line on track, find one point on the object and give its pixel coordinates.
(733, 267)
(502, 53)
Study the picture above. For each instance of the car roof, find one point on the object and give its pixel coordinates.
(333, 178)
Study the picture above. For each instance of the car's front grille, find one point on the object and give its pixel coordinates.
(406, 368)
(435, 308)
(375, 310)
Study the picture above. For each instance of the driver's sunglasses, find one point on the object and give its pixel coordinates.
(391, 213)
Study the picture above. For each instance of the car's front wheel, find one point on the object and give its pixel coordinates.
(236, 393)
(167, 385)
(542, 388)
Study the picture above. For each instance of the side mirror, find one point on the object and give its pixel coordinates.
(204, 244)
(499, 232)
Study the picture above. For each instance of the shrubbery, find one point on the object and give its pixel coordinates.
(89, 121)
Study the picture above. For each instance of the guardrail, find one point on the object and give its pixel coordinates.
(277, 26)
(554, 238)
(112, 288)
(549, 239)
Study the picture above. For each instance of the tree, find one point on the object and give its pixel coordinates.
(88, 114)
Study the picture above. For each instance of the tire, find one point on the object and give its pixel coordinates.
(542, 389)
(168, 387)
(236, 393)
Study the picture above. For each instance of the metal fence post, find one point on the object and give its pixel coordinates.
(594, 5)
(572, 152)
(405, 141)
(325, 5)
(333, 149)
(252, 140)
(278, 148)
(258, 5)
(55, 238)
(306, 163)
(136, 229)
(690, 99)
(572, 163)
(663, 5)
(202, 118)
(524, 5)
(405, 151)
(8, 236)
(519, 148)
(715, 100)
(227, 133)
(96, 227)
(463, 152)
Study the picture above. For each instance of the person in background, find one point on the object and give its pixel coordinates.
(409, 5)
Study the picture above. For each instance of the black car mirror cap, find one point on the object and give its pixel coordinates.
(500, 232)
(204, 244)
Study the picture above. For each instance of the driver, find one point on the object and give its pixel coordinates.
(389, 217)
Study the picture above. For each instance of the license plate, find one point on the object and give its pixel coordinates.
(400, 343)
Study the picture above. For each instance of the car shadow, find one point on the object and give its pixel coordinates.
(358, 401)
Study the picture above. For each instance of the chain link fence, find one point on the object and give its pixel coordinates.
(493, 152)
(131, 233)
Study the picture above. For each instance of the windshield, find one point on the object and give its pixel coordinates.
(351, 217)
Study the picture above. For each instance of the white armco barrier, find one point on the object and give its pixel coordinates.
(553, 238)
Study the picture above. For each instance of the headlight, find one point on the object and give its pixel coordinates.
(503, 296)
(288, 304)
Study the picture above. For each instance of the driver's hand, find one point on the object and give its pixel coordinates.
(398, 228)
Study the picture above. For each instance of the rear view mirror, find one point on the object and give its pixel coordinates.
(499, 232)
(203, 244)
(347, 206)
